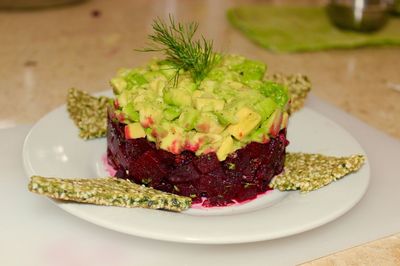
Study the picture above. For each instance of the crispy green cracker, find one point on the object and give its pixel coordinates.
(298, 85)
(107, 191)
(89, 113)
(307, 172)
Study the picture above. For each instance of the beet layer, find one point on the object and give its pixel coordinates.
(243, 175)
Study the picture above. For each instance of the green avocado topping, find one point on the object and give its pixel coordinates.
(230, 107)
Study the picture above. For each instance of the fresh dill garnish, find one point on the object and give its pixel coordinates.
(177, 42)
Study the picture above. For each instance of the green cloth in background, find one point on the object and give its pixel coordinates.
(294, 29)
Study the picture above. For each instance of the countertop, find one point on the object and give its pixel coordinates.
(46, 51)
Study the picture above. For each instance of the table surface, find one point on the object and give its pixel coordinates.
(46, 51)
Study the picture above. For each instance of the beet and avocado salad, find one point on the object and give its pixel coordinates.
(197, 123)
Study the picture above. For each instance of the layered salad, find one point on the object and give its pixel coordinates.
(197, 123)
(217, 140)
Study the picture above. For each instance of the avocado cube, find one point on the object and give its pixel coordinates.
(209, 104)
(208, 123)
(188, 118)
(250, 70)
(177, 97)
(248, 120)
(123, 99)
(171, 112)
(130, 112)
(225, 148)
(134, 131)
(118, 85)
(265, 107)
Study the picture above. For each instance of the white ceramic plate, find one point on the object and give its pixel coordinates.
(52, 148)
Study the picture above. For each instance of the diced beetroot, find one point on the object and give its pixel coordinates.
(248, 192)
(243, 175)
(136, 147)
(184, 173)
(217, 201)
(121, 173)
(147, 169)
(206, 163)
(249, 173)
(184, 157)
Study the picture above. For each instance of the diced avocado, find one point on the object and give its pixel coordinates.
(130, 112)
(225, 118)
(285, 120)
(195, 141)
(178, 97)
(260, 135)
(186, 84)
(158, 85)
(134, 79)
(248, 120)
(208, 123)
(276, 126)
(273, 124)
(209, 104)
(250, 70)
(123, 98)
(208, 85)
(265, 107)
(118, 84)
(149, 134)
(225, 148)
(167, 69)
(134, 131)
(277, 92)
(151, 75)
(188, 118)
(212, 142)
(171, 112)
(218, 74)
(169, 73)
(172, 143)
(150, 115)
(229, 108)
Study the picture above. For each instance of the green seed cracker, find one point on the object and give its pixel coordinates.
(107, 191)
(298, 85)
(89, 113)
(307, 172)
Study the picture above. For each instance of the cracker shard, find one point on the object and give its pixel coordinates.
(307, 172)
(298, 85)
(89, 113)
(107, 191)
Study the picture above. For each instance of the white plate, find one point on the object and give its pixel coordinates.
(52, 148)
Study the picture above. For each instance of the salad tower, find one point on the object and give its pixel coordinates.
(197, 123)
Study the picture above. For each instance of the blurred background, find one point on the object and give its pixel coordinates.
(48, 46)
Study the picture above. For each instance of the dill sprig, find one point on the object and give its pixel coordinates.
(177, 42)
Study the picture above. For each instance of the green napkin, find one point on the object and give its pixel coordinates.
(293, 29)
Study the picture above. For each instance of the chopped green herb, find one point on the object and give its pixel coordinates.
(231, 166)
